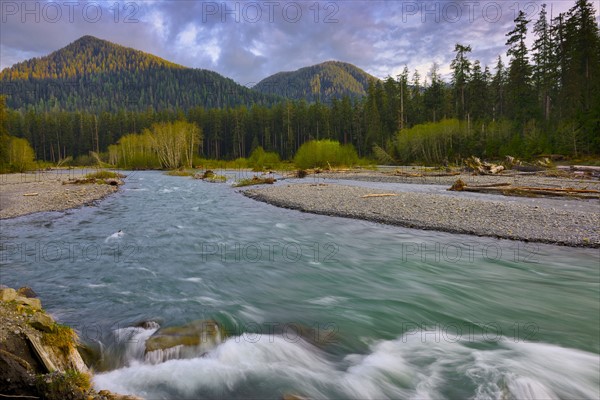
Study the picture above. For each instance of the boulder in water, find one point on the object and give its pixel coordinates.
(186, 341)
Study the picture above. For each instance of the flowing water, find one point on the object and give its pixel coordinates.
(309, 305)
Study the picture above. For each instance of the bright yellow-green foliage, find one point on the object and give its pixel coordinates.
(175, 143)
(103, 175)
(180, 172)
(168, 145)
(241, 163)
(431, 142)
(453, 140)
(325, 153)
(255, 181)
(61, 337)
(260, 160)
(20, 155)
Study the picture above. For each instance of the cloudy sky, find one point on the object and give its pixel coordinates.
(250, 40)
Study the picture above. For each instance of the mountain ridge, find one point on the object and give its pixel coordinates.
(323, 82)
(94, 74)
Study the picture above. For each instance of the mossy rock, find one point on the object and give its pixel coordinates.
(208, 174)
(193, 334)
(8, 294)
(42, 322)
(28, 292)
(35, 304)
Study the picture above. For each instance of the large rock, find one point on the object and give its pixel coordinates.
(8, 294)
(113, 396)
(42, 322)
(35, 304)
(26, 291)
(192, 334)
(15, 375)
(186, 341)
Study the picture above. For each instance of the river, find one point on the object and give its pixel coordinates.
(314, 306)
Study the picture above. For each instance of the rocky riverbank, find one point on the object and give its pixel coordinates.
(541, 222)
(27, 193)
(38, 356)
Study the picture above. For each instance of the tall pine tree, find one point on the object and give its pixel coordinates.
(519, 89)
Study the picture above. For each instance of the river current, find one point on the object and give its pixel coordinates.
(313, 306)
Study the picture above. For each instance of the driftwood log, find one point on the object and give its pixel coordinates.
(508, 190)
(379, 195)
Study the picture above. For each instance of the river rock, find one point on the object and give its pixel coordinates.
(186, 341)
(28, 292)
(35, 304)
(42, 322)
(113, 396)
(192, 334)
(15, 375)
(8, 294)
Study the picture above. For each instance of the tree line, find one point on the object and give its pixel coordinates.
(539, 100)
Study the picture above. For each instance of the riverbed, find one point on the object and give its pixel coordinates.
(393, 312)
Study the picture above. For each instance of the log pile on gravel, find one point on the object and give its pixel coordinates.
(509, 189)
(474, 164)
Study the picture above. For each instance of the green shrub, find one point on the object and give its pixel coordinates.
(103, 175)
(20, 155)
(180, 172)
(325, 154)
(84, 160)
(260, 160)
(255, 181)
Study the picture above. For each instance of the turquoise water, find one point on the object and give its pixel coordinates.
(384, 312)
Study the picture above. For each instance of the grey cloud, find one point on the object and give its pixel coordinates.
(378, 36)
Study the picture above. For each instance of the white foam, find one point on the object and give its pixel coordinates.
(115, 236)
(96, 285)
(327, 300)
(409, 367)
(224, 368)
(134, 340)
(195, 279)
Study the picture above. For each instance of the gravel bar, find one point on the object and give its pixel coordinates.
(495, 218)
(22, 194)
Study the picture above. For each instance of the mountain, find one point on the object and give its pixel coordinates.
(325, 81)
(96, 75)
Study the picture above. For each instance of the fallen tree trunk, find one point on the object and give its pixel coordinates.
(569, 190)
(583, 168)
(508, 190)
(379, 195)
(524, 191)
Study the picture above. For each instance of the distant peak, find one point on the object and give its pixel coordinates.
(88, 38)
